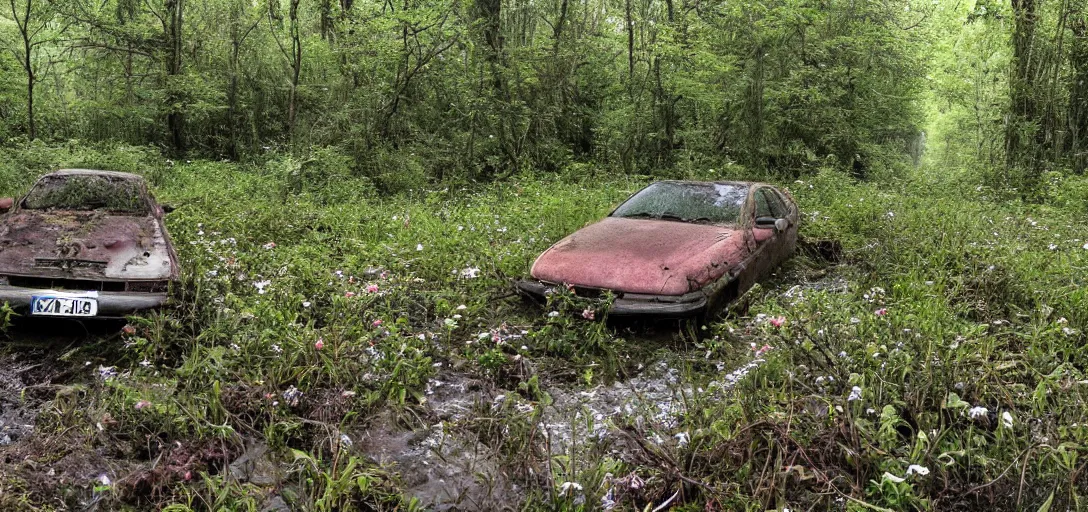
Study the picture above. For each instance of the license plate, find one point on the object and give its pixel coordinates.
(63, 306)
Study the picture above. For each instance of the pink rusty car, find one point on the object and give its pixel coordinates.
(675, 248)
(85, 244)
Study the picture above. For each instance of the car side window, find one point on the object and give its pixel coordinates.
(763, 207)
(778, 208)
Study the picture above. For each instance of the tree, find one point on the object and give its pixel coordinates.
(32, 19)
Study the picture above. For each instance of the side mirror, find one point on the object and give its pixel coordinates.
(6, 203)
(766, 222)
(779, 225)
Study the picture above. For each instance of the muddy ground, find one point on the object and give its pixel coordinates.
(442, 453)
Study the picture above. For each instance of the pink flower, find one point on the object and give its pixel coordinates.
(142, 404)
(320, 344)
(349, 294)
(269, 246)
(881, 312)
(188, 475)
(128, 329)
(373, 288)
(376, 323)
(778, 321)
(589, 314)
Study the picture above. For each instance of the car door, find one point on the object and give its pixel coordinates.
(770, 243)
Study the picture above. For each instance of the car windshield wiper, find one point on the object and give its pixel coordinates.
(648, 215)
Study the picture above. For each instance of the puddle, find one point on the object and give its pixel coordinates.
(444, 465)
(17, 412)
(31, 373)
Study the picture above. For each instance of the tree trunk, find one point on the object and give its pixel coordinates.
(1023, 115)
(175, 120)
(665, 104)
(296, 68)
(630, 27)
(23, 23)
(1078, 92)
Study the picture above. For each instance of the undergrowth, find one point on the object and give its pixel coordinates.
(939, 363)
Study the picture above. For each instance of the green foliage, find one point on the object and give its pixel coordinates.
(444, 90)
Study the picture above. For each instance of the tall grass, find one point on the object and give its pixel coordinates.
(939, 364)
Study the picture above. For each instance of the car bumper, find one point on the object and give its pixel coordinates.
(110, 304)
(631, 304)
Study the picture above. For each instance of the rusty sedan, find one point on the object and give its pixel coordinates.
(675, 248)
(85, 244)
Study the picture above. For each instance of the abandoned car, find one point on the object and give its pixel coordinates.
(84, 243)
(675, 248)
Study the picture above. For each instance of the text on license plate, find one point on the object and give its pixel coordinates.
(63, 306)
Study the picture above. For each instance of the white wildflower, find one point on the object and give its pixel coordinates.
(855, 394)
(524, 408)
(1006, 419)
(978, 412)
(569, 488)
(261, 285)
(470, 272)
(292, 395)
(553, 314)
(419, 247)
(107, 372)
(681, 439)
(915, 469)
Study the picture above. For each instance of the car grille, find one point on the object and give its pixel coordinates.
(45, 283)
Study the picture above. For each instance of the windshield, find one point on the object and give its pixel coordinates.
(86, 192)
(717, 203)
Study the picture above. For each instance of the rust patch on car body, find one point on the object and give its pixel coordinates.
(642, 256)
(84, 245)
(91, 244)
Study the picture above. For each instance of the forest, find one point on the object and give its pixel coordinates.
(356, 185)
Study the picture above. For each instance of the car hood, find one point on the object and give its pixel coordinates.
(642, 256)
(84, 245)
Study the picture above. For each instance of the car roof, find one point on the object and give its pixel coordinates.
(701, 182)
(94, 172)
